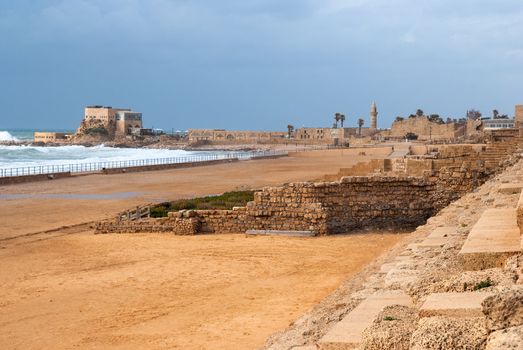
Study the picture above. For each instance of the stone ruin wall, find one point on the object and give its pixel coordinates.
(427, 159)
(181, 226)
(426, 129)
(324, 207)
(375, 202)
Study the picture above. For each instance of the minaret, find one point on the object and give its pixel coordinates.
(373, 116)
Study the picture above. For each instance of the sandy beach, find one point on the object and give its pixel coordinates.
(72, 289)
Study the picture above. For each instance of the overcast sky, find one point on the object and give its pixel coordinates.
(257, 64)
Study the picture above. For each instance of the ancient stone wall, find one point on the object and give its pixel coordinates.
(426, 130)
(179, 226)
(234, 136)
(361, 169)
(520, 214)
(352, 203)
(375, 202)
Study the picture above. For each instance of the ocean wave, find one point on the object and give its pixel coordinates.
(6, 136)
(26, 155)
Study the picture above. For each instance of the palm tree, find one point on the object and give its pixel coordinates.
(360, 124)
(337, 117)
(342, 119)
(290, 130)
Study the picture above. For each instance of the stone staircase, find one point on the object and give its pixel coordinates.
(494, 238)
(347, 334)
(466, 304)
(495, 152)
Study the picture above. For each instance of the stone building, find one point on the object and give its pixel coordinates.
(490, 124)
(47, 137)
(127, 121)
(321, 135)
(116, 121)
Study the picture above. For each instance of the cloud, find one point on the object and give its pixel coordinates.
(261, 50)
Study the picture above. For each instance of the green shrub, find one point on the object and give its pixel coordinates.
(97, 130)
(225, 201)
(389, 318)
(484, 284)
(159, 211)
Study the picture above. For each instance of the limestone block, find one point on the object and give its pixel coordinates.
(510, 188)
(436, 333)
(466, 304)
(391, 329)
(504, 309)
(506, 339)
(347, 334)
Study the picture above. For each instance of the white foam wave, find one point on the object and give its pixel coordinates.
(6, 136)
(25, 155)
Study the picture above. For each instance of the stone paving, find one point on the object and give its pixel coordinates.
(347, 334)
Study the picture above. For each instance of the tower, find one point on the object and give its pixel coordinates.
(518, 116)
(373, 116)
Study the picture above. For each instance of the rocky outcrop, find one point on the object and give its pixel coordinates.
(392, 329)
(437, 333)
(504, 309)
(506, 339)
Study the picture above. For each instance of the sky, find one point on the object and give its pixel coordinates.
(257, 64)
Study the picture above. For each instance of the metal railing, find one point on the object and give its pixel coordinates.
(100, 166)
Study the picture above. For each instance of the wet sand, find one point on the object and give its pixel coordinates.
(79, 290)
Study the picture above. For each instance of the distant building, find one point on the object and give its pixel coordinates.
(322, 135)
(46, 137)
(115, 121)
(490, 124)
(128, 121)
(340, 136)
(373, 116)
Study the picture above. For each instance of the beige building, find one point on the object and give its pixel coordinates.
(46, 137)
(117, 121)
(127, 121)
(322, 135)
(491, 124)
(101, 113)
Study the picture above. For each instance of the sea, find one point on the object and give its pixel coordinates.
(16, 156)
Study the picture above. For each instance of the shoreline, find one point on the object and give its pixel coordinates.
(180, 146)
